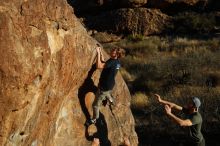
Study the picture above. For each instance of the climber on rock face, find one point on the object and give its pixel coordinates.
(107, 79)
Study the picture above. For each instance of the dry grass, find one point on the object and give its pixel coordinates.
(139, 101)
(177, 68)
(126, 75)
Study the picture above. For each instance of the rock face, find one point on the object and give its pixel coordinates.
(48, 82)
(126, 21)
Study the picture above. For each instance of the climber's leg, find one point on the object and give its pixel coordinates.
(100, 96)
(109, 97)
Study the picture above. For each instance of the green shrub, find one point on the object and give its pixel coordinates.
(191, 22)
(177, 68)
(135, 37)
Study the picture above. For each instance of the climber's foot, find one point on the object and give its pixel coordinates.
(111, 101)
(90, 122)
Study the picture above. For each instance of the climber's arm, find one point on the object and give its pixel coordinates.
(102, 57)
(176, 119)
(100, 60)
(171, 105)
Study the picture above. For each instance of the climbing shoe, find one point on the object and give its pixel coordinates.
(93, 121)
(111, 101)
(90, 122)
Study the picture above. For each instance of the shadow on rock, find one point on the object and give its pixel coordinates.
(101, 125)
(87, 86)
(101, 133)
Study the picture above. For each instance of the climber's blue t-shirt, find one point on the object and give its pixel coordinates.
(107, 78)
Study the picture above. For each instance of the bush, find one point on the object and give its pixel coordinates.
(135, 37)
(139, 101)
(177, 68)
(191, 22)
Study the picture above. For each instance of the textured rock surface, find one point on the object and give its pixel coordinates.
(47, 80)
(126, 21)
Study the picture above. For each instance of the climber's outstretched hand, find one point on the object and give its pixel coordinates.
(98, 49)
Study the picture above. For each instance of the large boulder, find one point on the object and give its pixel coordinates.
(48, 82)
(130, 21)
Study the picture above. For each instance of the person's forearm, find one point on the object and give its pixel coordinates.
(172, 105)
(102, 57)
(166, 102)
(176, 119)
(98, 63)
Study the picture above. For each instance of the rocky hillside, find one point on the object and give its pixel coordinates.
(148, 17)
(164, 5)
(47, 80)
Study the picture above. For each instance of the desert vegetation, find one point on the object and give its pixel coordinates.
(177, 67)
(179, 61)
